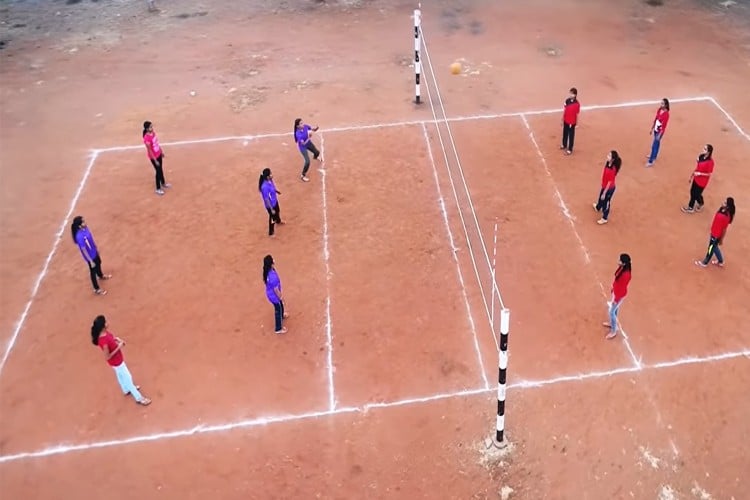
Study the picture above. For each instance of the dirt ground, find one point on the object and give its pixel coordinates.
(384, 385)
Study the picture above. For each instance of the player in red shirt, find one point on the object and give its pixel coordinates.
(699, 179)
(611, 169)
(657, 130)
(570, 120)
(156, 155)
(619, 291)
(722, 219)
(112, 348)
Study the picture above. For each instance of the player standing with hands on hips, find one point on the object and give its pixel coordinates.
(619, 291)
(611, 169)
(85, 240)
(699, 179)
(302, 133)
(570, 120)
(657, 130)
(273, 293)
(156, 155)
(722, 219)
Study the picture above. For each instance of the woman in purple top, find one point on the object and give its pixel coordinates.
(269, 193)
(85, 240)
(273, 292)
(302, 133)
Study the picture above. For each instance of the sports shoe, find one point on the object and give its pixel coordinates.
(100, 291)
(305, 178)
(283, 330)
(159, 192)
(700, 263)
(166, 185)
(687, 210)
(611, 335)
(649, 164)
(601, 221)
(698, 208)
(717, 263)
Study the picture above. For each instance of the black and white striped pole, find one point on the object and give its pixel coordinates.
(502, 377)
(417, 48)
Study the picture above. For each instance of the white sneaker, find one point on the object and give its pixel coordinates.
(159, 192)
(601, 221)
(166, 185)
(305, 179)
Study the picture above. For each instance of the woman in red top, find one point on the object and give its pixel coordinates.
(699, 179)
(570, 119)
(722, 219)
(112, 348)
(156, 155)
(657, 130)
(611, 169)
(619, 291)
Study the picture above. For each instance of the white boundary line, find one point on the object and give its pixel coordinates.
(265, 421)
(406, 123)
(465, 295)
(326, 258)
(571, 220)
(45, 267)
(729, 117)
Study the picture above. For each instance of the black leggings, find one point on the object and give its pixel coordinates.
(274, 217)
(696, 196)
(157, 163)
(96, 271)
(569, 136)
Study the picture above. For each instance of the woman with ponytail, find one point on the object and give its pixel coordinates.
(724, 216)
(302, 133)
(619, 291)
(112, 348)
(273, 293)
(85, 240)
(699, 179)
(156, 155)
(269, 194)
(611, 169)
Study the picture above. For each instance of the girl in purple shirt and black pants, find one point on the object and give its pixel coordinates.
(302, 132)
(273, 292)
(85, 240)
(269, 193)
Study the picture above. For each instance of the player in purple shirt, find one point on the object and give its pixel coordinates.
(302, 133)
(273, 292)
(269, 193)
(85, 240)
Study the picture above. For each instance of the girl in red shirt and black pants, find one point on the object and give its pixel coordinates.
(155, 155)
(619, 291)
(719, 226)
(570, 120)
(699, 179)
(611, 169)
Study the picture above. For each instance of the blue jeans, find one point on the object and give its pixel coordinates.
(278, 310)
(713, 249)
(614, 309)
(655, 148)
(126, 381)
(604, 204)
